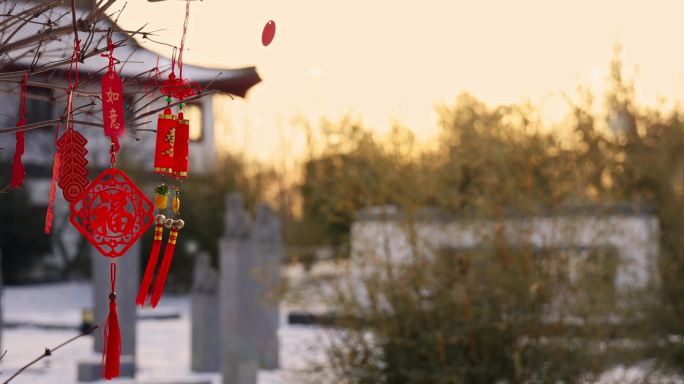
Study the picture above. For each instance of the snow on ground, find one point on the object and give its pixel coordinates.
(163, 346)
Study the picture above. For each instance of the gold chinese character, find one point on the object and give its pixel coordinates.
(171, 139)
(112, 96)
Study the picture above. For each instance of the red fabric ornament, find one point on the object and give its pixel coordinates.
(158, 288)
(164, 151)
(112, 100)
(180, 160)
(151, 264)
(18, 171)
(111, 355)
(112, 213)
(73, 172)
(112, 104)
(49, 216)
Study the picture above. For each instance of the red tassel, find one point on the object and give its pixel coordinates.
(158, 288)
(151, 264)
(18, 170)
(111, 355)
(53, 187)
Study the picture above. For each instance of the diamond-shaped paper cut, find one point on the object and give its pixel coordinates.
(112, 213)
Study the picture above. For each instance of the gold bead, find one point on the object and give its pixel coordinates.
(179, 224)
(169, 223)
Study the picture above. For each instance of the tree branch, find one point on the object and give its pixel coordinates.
(48, 352)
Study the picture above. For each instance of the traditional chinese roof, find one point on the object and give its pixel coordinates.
(134, 58)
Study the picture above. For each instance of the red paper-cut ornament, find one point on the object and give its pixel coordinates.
(73, 172)
(112, 213)
(268, 33)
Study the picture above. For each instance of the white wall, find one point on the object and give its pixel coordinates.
(633, 236)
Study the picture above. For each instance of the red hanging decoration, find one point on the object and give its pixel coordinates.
(49, 216)
(111, 355)
(112, 213)
(152, 261)
(18, 171)
(73, 173)
(161, 201)
(112, 100)
(171, 158)
(158, 288)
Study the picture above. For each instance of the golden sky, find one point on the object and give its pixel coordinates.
(394, 60)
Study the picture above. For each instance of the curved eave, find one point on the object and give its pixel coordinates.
(241, 81)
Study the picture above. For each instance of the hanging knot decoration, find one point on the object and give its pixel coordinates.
(174, 225)
(161, 201)
(111, 359)
(71, 147)
(72, 174)
(112, 99)
(170, 159)
(18, 170)
(112, 213)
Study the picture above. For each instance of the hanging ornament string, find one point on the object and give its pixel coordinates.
(112, 333)
(73, 171)
(18, 170)
(72, 81)
(171, 158)
(112, 100)
(182, 44)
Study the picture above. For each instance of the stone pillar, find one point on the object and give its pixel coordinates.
(127, 280)
(205, 317)
(239, 359)
(268, 252)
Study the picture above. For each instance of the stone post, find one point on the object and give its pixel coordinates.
(239, 358)
(268, 252)
(205, 317)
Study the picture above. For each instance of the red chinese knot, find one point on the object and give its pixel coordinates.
(112, 213)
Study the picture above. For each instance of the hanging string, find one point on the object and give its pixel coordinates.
(182, 45)
(111, 351)
(72, 80)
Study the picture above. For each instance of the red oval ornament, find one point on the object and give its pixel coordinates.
(269, 33)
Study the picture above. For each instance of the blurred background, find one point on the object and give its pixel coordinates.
(486, 192)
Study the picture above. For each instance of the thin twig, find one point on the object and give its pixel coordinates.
(48, 352)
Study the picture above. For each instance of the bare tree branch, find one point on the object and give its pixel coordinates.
(48, 352)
